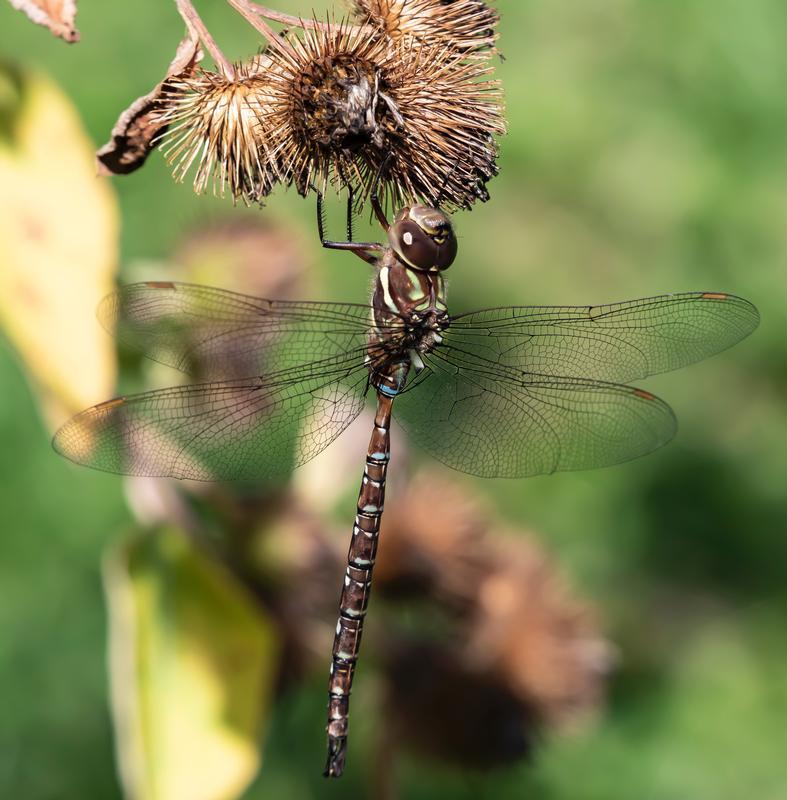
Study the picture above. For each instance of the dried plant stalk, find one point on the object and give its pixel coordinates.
(199, 31)
(291, 19)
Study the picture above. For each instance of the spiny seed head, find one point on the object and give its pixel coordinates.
(466, 26)
(336, 105)
(345, 104)
(520, 654)
(214, 127)
(522, 640)
(326, 109)
(437, 702)
(452, 112)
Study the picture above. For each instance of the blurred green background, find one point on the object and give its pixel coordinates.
(647, 153)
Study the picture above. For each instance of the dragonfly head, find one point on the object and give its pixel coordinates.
(423, 238)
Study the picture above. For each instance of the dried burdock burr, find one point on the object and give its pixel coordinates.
(214, 129)
(531, 629)
(512, 632)
(326, 103)
(467, 26)
(453, 112)
(343, 104)
(440, 706)
(335, 103)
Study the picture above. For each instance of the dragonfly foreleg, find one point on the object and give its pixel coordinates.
(364, 250)
(379, 211)
(350, 201)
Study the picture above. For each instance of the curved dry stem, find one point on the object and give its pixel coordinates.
(299, 22)
(197, 28)
(247, 11)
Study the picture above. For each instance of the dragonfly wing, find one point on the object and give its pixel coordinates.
(494, 423)
(214, 334)
(622, 342)
(241, 429)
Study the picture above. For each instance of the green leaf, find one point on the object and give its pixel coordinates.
(193, 661)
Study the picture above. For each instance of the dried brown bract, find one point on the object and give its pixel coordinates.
(214, 127)
(467, 26)
(343, 104)
(138, 126)
(57, 15)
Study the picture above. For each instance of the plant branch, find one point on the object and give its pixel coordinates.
(246, 10)
(197, 28)
(299, 22)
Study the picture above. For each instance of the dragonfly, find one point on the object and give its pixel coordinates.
(501, 392)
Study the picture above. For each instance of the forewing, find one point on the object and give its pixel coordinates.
(214, 334)
(494, 423)
(241, 429)
(621, 342)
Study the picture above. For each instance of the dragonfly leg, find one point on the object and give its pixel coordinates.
(364, 250)
(379, 211)
(350, 201)
(450, 174)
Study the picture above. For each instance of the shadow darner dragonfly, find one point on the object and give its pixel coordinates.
(504, 392)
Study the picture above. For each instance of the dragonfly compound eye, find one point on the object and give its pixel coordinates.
(423, 238)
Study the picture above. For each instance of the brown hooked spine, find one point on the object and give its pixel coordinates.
(357, 586)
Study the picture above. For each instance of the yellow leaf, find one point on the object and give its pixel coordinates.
(58, 245)
(193, 660)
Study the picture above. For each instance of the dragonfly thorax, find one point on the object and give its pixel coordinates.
(409, 315)
(408, 298)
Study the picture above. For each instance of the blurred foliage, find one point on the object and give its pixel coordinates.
(202, 660)
(53, 211)
(646, 153)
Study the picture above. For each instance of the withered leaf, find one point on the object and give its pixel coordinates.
(57, 15)
(58, 249)
(137, 127)
(193, 669)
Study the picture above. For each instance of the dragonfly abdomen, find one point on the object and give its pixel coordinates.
(357, 584)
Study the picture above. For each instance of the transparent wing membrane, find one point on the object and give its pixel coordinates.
(214, 334)
(511, 392)
(493, 423)
(241, 429)
(621, 342)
